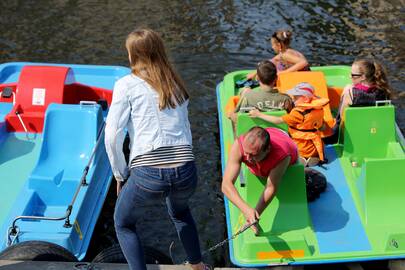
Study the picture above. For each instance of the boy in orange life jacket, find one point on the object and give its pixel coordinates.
(304, 122)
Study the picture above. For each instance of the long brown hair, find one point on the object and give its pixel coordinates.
(375, 74)
(149, 61)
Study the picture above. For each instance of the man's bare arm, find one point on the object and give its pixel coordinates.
(228, 184)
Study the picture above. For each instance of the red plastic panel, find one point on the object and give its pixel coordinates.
(76, 92)
(37, 87)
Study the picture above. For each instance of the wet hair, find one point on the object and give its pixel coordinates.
(149, 61)
(267, 72)
(261, 134)
(375, 74)
(283, 37)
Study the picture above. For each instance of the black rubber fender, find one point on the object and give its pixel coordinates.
(37, 251)
(114, 254)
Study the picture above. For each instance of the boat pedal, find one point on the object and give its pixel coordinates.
(7, 92)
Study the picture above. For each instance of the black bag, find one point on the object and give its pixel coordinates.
(315, 183)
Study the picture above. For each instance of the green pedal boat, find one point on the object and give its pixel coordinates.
(359, 217)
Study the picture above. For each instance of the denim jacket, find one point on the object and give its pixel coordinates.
(135, 107)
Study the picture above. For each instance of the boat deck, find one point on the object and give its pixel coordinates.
(335, 220)
(18, 157)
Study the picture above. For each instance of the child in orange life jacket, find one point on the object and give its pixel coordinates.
(287, 59)
(304, 122)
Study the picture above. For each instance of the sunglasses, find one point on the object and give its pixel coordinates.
(354, 75)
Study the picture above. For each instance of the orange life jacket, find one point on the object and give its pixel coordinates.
(313, 121)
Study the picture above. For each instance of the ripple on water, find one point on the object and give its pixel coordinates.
(206, 39)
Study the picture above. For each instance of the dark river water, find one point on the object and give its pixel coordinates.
(206, 40)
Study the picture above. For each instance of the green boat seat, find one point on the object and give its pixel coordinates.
(290, 200)
(371, 148)
(245, 122)
(277, 226)
(369, 132)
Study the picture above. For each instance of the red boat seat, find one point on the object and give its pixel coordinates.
(37, 87)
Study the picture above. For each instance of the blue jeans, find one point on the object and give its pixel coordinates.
(148, 185)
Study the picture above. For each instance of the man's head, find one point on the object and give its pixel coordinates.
(267, 72)
(256, 144)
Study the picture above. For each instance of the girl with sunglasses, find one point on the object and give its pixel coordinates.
(369, 84)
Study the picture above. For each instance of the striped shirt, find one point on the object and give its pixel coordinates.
(164, 155)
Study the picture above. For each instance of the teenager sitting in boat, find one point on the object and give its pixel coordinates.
(266, 98)
(369, 84)
(304, 123)
(287, 59)
(267, 153)
(151, 103)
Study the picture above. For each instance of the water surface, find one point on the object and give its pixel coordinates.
(206, 39)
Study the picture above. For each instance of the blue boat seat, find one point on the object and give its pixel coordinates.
(69, 136)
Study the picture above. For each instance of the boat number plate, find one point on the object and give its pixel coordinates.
(38, 96)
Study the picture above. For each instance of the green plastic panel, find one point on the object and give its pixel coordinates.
(338, 76)
(368, 132)
(285, 224)
(245, 122)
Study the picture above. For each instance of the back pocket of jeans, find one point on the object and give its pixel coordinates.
(146, 193)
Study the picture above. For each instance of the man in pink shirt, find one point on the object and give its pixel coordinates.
(267, 153)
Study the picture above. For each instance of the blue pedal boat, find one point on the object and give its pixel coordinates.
(54, 170)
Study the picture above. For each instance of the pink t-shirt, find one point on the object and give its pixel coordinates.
(281, 147)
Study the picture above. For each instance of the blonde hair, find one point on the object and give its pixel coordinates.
(375, 74)
(149, 61)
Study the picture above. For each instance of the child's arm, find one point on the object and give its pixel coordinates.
(299, 62)
(251, 76)
(275, 59)
(269, 118)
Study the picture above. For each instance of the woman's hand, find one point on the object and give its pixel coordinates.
(254, 113)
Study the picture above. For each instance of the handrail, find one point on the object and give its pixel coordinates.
(13, 229)
(383, 102)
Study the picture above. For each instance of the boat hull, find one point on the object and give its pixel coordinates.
(355, 219)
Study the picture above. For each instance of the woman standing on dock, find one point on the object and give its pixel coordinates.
(151, 103)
